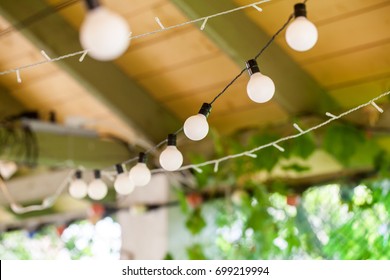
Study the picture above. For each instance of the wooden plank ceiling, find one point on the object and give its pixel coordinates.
(182, 68)
(48, 88)
(351, 59)
(162, 79)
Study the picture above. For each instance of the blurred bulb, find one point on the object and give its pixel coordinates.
(196, 127)
(260, 88)
(301, 34)
(97, 189)
(171, 158)
(104, 34)
(140, 174)
(123, 184)
(78, 189)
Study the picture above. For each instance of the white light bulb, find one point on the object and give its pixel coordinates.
(104, 34)
(196, 127)
(171, 158)
(301, 34)
(260, 88)
(123, 184)
(97, 189)
(140, 174)
(78, 189)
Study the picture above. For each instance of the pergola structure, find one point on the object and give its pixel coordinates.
(121, 107)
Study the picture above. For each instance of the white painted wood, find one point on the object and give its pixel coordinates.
(145, 236)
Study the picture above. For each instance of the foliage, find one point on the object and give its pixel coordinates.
(342, 141)
(265, 220)
(78, 241)
(195, 222)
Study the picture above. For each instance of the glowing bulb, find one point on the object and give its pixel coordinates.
(97, 189)
(104, 33)
(123, 183)
(301, 34)
(196, 127)
(260, 88)
(140, 173)
(171, 158)
(78, 188)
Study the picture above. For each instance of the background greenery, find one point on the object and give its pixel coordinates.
(270, 207)
(260, 215)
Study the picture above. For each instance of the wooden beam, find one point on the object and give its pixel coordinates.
(103, 79)
(241, 39)
(71, 147)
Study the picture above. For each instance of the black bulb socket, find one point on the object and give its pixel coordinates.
(97, 174)
(300, 10)
(78, 174)
(171, 140)
(119, 168)
(142, 157)
(205, 109)
(252, 67)
(92, 4)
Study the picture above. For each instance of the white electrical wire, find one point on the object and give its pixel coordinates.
(162, 29)
(46, 203)
(275, 143)
(49, 201)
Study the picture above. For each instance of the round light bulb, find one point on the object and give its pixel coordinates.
(171, 158)
(97, 189)
(301, 34)
(104, 34)
(78, 189)
(196, 127)
(260, 88)
(140, 174)
(123, 184)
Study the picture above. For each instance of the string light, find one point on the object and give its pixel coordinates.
(103, 33)
(301, 34)
(97, 189)
(78, 188)
(196, 127)
(123, 184)
(140, 173)
(260, 88)
(196, 167)
(171, 158)
(84, 52)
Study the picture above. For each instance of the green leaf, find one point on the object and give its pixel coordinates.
(342, 142)
(195, 222)
(295, 167)
(258, 220)
(182, 201)
(268, 157)
(303, 146)
(217, 141)
(203, 179)
(168, 257)
(195, 252)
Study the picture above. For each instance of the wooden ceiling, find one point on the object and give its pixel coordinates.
(351, 58)
(163, 78)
